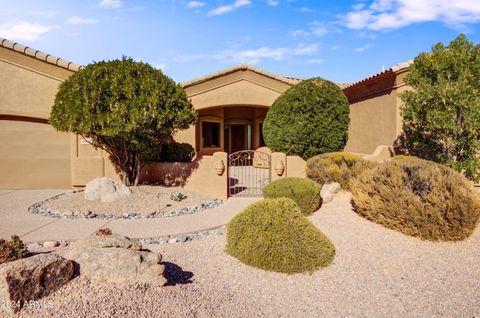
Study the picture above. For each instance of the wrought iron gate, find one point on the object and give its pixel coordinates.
(248, 172)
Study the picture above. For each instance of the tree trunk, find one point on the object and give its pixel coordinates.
(138, 168)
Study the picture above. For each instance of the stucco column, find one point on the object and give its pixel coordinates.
(278, 166)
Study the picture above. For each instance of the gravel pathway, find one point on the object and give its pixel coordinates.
(376, 273)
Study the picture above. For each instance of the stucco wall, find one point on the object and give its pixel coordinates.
(33, 154)
(375, 113)
(198, 176)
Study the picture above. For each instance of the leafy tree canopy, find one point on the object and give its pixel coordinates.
(441, 115)
(124, 107)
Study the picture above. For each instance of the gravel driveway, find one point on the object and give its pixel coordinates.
(376, 273)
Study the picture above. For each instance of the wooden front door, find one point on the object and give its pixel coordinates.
(237, 132)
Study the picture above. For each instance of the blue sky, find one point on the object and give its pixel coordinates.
(343, 41)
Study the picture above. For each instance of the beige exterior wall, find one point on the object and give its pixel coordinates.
(375, 112)
(202, 175)
(33, 154)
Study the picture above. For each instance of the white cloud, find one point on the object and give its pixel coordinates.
(273, 3)
(315, 61)
(229, 8)
(363, 48)
(110, 4)
(392, 14)
(195, 4)
(305, 10)
(299, 33)
(137, 8)
(319, 28)
(254, 56)
(80, 20)
(44, 14)
(24, 31)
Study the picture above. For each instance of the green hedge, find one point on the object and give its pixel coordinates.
(418, 198)
(308, 119)
(338, 167)
(304, 192)
(272, 234)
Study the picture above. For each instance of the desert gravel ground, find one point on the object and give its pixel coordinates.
(143, 200)
(376, 273)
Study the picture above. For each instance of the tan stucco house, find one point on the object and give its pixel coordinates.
(232, 105)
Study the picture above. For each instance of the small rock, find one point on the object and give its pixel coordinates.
(33, 247)
(172, 240)
(51, 244)
(328, 191)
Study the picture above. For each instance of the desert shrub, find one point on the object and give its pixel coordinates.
(304, 192)
(272, 234)
(177, 152)
(12, 250)
(308, 119)
(104, 231)
(418, 198)
(338, 167)
(177, 196)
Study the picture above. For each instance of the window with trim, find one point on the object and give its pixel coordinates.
(211, 134)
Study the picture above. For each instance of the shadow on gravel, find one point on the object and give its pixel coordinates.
(176, 275)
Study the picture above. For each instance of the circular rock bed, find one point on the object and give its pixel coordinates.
(144, 202)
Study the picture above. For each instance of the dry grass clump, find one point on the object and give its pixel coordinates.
(338, 167)
(12, 250)
(274, 235)
(418, 198)
(304, 192)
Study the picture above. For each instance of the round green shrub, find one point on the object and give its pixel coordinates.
(272, 234)
(305, 193)
(308, 119)
(338, 167)
(418, 198)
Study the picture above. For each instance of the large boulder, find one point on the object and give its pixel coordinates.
(116, 259)
(105, 189)
(32, 278)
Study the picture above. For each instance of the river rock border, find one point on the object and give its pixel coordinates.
(181, 238)
(40, 208)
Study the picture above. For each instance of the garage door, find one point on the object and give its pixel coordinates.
(33, 156)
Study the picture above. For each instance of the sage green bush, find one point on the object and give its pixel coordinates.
(305, 193)
(274, 235)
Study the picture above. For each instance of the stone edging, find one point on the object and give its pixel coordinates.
(40, 208)
(180, 238)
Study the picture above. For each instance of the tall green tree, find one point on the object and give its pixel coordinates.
(124, 107)
(441, 115)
